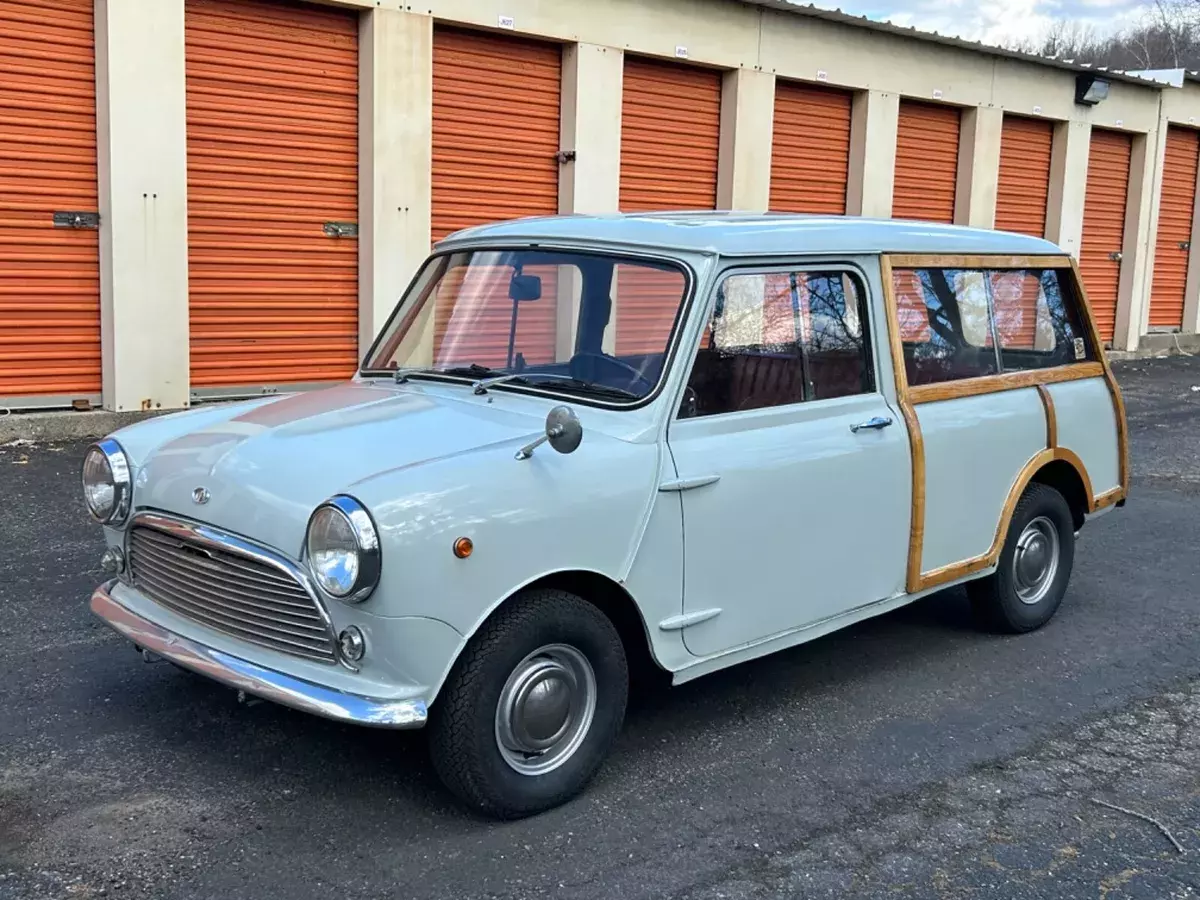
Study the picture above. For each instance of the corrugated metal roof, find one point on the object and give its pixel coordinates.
(836, 15)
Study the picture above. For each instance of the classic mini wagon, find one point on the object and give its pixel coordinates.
(584, 442)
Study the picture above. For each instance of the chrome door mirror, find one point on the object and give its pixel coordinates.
(563, 431)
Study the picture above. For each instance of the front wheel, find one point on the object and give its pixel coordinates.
(532, 706)
(1034, 566)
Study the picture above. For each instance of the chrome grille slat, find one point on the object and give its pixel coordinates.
(251, 569)
(212, 573)
(228, 590)
(199, 611)
(168, 582)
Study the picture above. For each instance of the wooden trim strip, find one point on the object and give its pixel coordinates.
(958, 570)
(998, 261)
(954, 571)
(1008, 381)
(907, 397)
(1114, 390)
(1051, 417)
(916, 444)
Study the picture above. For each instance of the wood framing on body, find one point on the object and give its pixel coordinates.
(908, 397)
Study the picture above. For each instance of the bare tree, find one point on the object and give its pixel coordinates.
(1167, 36)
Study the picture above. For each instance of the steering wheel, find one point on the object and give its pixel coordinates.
(599, 360)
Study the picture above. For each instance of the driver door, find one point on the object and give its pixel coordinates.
(794, 470)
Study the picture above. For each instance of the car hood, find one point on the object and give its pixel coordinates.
(266, 465)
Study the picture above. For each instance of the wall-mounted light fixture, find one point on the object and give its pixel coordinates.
(1090, 90)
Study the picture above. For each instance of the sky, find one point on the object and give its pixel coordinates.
(994, 21)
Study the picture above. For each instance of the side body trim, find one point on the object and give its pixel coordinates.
(908, 396)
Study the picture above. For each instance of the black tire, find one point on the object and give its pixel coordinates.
(995, 599)
(462, 728)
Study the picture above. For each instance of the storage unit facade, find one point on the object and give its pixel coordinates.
(271, 176)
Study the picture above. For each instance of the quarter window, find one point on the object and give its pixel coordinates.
(944, 324)
(1038, 320)
(778, 338)
(951, 320)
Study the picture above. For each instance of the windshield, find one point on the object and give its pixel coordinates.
(575, 322)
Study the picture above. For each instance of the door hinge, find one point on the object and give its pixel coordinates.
(341, 229)
(678, 623)
(77, 220)
(687, 484)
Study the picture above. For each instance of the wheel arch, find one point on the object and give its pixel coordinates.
(1066, 474)
(603, 592)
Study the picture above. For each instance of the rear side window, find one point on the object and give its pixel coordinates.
(967, 323)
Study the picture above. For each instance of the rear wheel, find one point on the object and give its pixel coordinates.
(532, 706)
(1034, 566)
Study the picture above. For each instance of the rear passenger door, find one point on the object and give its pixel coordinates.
(794, 470)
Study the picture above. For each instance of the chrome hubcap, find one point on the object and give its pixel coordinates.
(545, 709)
(1035, 562)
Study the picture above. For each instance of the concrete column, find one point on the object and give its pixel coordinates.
(142, 156)
(874, 118)
(1146, 288)
(747, 120)
(978, 167)
(395, 152)
(1068, 185)
(1133, 293)
(592, 83)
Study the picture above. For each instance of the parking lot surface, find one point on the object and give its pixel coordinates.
(910, 756)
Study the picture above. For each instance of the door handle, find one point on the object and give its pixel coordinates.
(876, 423)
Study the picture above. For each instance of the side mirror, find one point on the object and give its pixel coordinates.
(524, 287)
(563, 431)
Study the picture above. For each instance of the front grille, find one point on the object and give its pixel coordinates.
(229, 592)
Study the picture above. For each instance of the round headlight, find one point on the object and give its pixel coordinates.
(106, 482)
(343, 549)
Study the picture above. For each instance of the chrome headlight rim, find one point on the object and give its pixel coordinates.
(122, 481)
(366, 537)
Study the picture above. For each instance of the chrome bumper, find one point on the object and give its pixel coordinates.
(254, 679)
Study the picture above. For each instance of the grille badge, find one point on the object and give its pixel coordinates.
(201, 495)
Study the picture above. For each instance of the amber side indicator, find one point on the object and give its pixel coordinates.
(463, 547)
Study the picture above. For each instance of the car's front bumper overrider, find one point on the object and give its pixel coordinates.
(254, 679)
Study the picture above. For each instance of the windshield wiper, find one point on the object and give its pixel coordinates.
(548, 379)
(597, 390)
(472, 371)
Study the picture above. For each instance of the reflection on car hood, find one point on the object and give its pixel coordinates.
(266, 465)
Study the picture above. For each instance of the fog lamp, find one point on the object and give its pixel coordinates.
(113, 561)
(352, 644)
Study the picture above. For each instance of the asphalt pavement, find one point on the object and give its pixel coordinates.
(910, 756)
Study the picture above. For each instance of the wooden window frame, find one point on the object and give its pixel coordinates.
(907, 397)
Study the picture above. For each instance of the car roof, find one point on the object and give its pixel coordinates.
(758, 234)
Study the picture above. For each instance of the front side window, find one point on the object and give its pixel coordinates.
(779, 338)
(584, 323)
(951, 320)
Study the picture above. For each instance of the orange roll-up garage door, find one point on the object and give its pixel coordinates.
(926, 162)
(810, 149)
(1104, 224)
(670, 144)
(49, 276)
(1174, 228)
(272, 139)
(1024, 186)
(496, 120)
